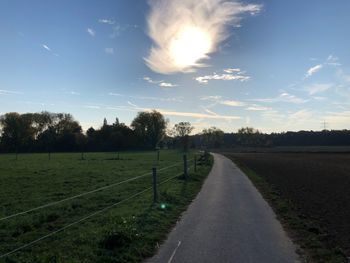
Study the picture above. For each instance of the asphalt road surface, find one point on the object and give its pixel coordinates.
(229, 221)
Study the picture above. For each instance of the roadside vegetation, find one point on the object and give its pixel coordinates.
(309, 193)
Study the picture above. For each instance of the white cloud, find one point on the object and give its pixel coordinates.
(198, 115)
(216, 97)
(133, 105)
(9, 92)
(115, 94)
(330, 61)
(226, 102)
(176, 113)
(73, 92)
(185, 33)
(149, 80)
(167, 85)
(232, 103)
(338, 120)
(300, 117)
(92, 107)
(109, 50)
(283, 97)
(317, 88)
(177, 99)
(91, 32)
(118, 29)
(313, 70)
(333, 61)
(255, 107)
(205, 79)
(106, 21)
(230, 74)
(232, 70)
(160, 83)
(210, 112)
(46, 47)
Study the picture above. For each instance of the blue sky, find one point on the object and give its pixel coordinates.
(272, 65)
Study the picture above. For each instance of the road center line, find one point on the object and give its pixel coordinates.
(172, 255)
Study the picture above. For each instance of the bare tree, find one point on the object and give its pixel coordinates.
(182, 130)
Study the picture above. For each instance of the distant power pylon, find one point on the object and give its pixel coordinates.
(325, 125)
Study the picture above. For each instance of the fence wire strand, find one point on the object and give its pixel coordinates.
(83, 219)
(83, 194)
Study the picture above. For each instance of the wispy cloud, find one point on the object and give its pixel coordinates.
(46, 47)
(132, 104)
(176, 113)
(232, 103)
(91, 32)
(149, 80)
(173, 99)
(106, 21)
(198, 115)
(291, 120)
(10, 92)
(109, 50)
(115, 94)
(92, 107)
(283, 97)
(230, 74)
(330, 61)
(72, 92)
(210, 112)
(215, 97)
(255, 107)
(338, 119)
(118, 29)
(317, 88)
(184, 33)
(299, 117)
(313, 70)
(167, 85)
(220, 100)
(160, 83)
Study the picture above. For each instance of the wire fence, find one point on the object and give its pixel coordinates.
(84, 194)
(184, 172)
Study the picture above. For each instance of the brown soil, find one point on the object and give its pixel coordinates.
(318, 184)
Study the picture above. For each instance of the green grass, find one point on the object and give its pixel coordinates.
(128, 232)
(309, 236)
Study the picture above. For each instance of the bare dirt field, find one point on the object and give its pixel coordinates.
(317, 184)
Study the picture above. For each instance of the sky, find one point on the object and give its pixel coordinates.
(272, 65)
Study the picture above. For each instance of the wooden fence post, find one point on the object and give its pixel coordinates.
(155, 193)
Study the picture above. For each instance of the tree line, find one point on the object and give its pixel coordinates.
(60, 132)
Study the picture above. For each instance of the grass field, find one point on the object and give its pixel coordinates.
(310, 194)
(128, 232)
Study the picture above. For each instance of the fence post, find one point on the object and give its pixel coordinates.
(195, 162)
(185, 166)
(155, 194)
(158, 152)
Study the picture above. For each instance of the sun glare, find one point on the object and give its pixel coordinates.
(189, 46)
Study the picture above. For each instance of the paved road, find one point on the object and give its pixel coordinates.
(229, 221)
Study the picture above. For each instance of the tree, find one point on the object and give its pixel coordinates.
(213, 137)
(149, 127)
(17, 131)
(248, 136)
(182, 130)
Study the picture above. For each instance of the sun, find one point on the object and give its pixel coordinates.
(189, 46)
